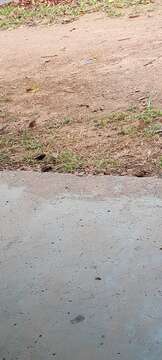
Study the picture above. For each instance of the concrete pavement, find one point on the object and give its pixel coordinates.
(80, 267)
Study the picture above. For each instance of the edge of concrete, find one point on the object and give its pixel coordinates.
(101, 186)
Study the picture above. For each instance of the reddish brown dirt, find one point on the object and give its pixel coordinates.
(83, 70)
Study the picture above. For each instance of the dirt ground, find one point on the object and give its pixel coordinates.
(60, 82)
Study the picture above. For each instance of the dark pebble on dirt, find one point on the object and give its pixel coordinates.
(46, 168)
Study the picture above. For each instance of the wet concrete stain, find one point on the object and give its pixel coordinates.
(77, 319)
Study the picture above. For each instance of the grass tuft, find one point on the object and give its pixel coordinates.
(121, 140)
(160, 162)
(68, 162)
(103, 165)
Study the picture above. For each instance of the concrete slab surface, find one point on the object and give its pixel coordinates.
(80, 267)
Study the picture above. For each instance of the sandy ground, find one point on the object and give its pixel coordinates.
(105, 63)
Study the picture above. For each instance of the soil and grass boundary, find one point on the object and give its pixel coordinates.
(35, 12)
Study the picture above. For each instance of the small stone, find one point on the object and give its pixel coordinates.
(46, 168)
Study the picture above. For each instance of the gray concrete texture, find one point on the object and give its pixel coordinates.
(80, 267)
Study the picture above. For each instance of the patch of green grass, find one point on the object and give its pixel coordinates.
(116, 116)
(29, 159)
(103, 164)
(13, 16)
(160, 162)
(7, 141)
(101, 123)
(29, 142)
(148, 115)
(51, 147)
(59, 123)
(132, 109)
(66, 121)
(129, 130)
(68, 162)
(112, 117)
(4, 158)
(22, 147)
(152, 129)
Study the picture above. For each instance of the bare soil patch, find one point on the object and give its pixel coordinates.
(83, 97)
